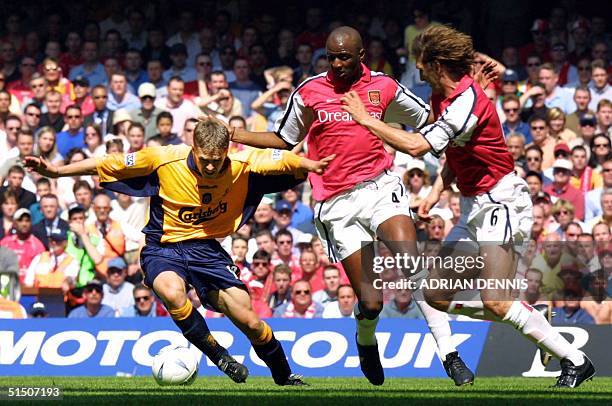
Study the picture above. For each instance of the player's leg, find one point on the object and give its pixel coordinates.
(576, 367)
(399, 235)
(171, 290)
(235, 303)
(346, 239)
(164, 272)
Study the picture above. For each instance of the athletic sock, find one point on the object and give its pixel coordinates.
(270, 350)
(366, 325)
(438, 325)
(195, 329)
(535, 327)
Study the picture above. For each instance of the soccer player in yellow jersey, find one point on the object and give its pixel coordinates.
(199, 194)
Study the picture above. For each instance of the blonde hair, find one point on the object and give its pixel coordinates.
(562, 204)
(554, 114)
(52, 153)
(210, 134)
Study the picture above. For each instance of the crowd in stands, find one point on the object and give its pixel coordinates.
(78, 83)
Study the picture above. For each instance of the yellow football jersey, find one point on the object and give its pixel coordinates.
(184, 204)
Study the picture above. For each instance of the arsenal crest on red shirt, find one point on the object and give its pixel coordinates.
(374, 97)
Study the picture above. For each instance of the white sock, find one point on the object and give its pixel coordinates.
(438, 324)
(365, 328)
(535, 327)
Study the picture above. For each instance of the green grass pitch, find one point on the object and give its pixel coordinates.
(336, 391)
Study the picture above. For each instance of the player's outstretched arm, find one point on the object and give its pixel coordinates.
(45, 168)
(411, 143)
(317, 167)
(443, 181)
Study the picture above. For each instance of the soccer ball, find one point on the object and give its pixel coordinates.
(175, 365)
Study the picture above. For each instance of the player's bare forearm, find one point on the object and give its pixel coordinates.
(259, 139)
(410, 143)
(42, 166)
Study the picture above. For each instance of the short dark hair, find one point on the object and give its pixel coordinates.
(43, 181)
(81, 184)
(262, 254)
(534, 173)
(282, 232)
(534, 148)
(16, 169)
(164, 114)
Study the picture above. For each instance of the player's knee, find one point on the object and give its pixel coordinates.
(173, 296)
(371, 308)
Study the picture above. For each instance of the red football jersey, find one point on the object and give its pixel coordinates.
(468, 127)
(315, 110)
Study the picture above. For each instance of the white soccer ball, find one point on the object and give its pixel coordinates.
(175, 365)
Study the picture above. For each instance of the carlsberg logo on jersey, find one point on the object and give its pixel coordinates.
(329, 116)
(316, 347)
(198, 215)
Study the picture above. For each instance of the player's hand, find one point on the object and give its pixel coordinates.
(355, 107)
(426, 205)
(486, 73)
(317, 167)
(41, 166)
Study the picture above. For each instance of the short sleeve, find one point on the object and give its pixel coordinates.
(295, 122)
(406, 108)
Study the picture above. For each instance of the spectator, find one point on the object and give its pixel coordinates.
(46, 146)
(53, 117)
(260, 284)
(15, 180)
(512, 108)
(304, 69)
(598, 304)
(243, 88)
(165, 135)
(74, 136)
(601, 233)
(550, 262)
(265, 241)
(144, 303)
(600, 151)
(155, 71)
(179, 68)
(136, 137)
(556, 96)
(38, 86)
(82, 246)
(562, 189)
(301, 305)
(604, 117)
(586, 255)
(567, 72)
(43, 187)
(239, 252)
(331, 281)
(188, 129)
(54, 268)
(284, 251)
(584, 178)
(93, 141)
(186, 36)
(310, 270)
(108, 231)
(402, 306)
(93, 307)
(606, 210)
(180, 108)
(147, 114)
(21, 87)
(516, 147)
(155, 49)
(282, 286)
(555, 120)
(31, 116)
(23, 242)
(570, 312)
(38, 310)
(227, 57)
(12, 126)
(51, 221)
(25, 146)
(582, 98)
(343, 307)
(118, 293)
(73, 55)
(133, 68)
(600, 89)
(273, 102)
(282, 220)
(533, 294)
(543, 140)
(66, 186)
(9, 204)
(119, 97)
(82, 98)
(301, 214)
(593, 197)
(587, 125)
(102, 116)
(54, 78)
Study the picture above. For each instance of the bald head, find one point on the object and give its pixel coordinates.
(345, 37)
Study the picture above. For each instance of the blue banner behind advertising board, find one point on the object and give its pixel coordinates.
(317, 347)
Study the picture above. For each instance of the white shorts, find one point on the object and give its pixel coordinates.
(348, 220)
(502, 215)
